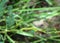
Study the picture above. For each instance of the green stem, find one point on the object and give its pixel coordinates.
(40, 9)
(11, 41)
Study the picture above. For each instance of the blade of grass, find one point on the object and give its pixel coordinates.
(11, 40)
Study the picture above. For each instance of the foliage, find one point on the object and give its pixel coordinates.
(16, 17)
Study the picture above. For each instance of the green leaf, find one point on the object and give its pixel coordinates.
(1, 42)
(10, 19)
(1, 39)
(2, 3)
(48, 15)
(49, 2)
(25, 33)
(10, 39)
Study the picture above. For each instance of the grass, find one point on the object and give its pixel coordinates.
(17, 17)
